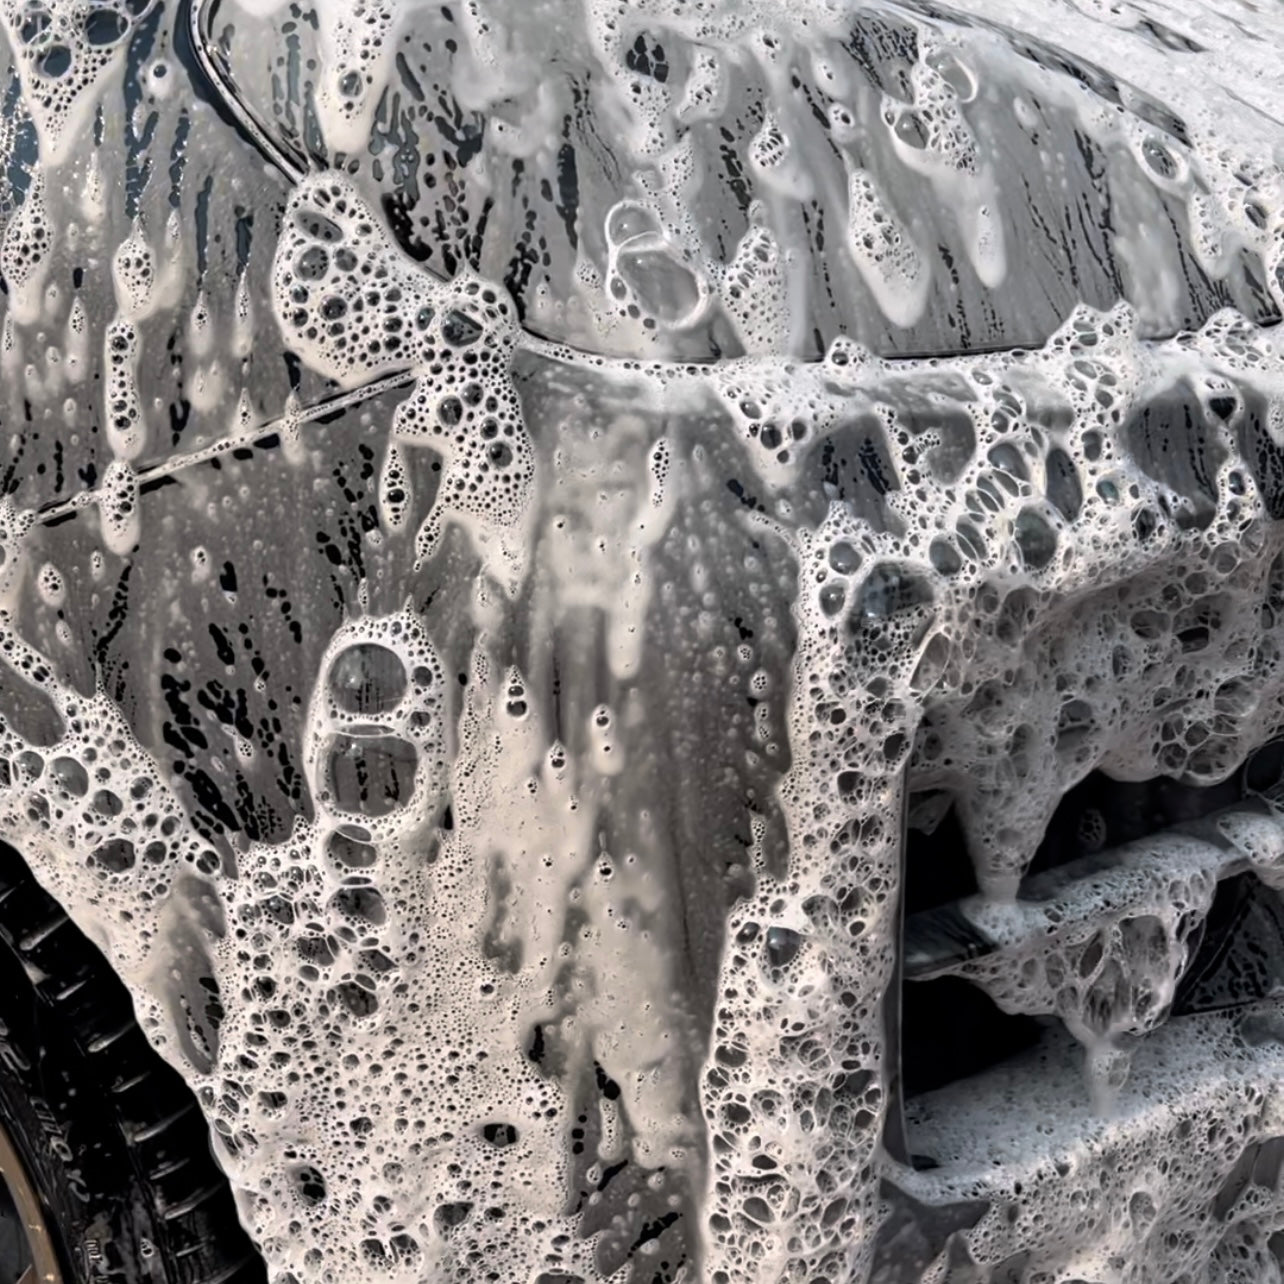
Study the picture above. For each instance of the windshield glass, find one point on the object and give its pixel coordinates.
(696, 183)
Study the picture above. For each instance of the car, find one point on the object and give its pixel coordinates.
(640, 642)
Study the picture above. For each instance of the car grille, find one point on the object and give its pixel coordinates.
(1093, 1063)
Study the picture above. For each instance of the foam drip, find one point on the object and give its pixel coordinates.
(63, 52)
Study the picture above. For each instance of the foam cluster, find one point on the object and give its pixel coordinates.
(97, 818)
(63, 50)
(356, 307)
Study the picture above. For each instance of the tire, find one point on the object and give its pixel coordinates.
(108, 1137)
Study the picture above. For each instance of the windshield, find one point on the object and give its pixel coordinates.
(698, 184)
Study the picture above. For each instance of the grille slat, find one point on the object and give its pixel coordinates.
(1069, 900)
(1154, 967)
(1163, 1175)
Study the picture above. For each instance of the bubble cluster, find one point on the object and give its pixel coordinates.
(1105, 955)
(25, 253)
(376, 949)
(1183, 1174)
(96, 816)
(118, 508)
(894, 268)
(63, 49)
(345, 297)
(126, 426)
(356, 308)
(378, 754)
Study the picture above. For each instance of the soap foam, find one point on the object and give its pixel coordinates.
(567, 958)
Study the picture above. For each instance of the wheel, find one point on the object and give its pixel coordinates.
(108, 1173)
